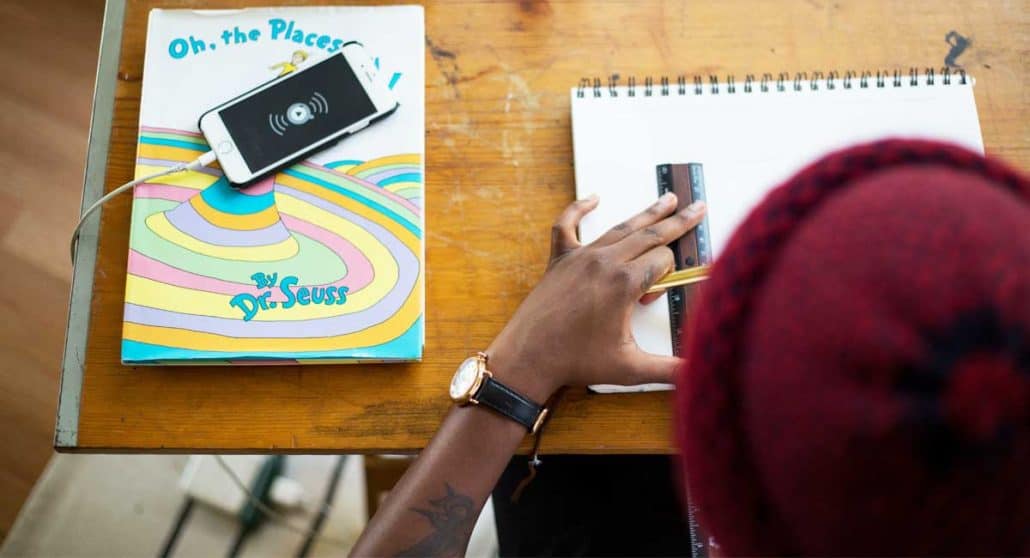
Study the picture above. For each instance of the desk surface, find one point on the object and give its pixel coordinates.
(499, 168)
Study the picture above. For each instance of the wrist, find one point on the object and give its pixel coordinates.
(519, 373)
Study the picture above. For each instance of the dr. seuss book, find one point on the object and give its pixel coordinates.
(320, 262)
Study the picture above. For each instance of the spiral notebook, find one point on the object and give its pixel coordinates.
(730, 142)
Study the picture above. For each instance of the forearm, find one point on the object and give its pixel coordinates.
(433, 508)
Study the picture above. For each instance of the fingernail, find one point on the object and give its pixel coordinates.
(696, 207)
(666, 198)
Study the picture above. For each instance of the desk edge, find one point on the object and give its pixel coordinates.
(66, 430)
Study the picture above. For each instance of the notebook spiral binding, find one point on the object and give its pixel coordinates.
(767, 83)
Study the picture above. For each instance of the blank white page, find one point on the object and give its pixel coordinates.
(748, 142)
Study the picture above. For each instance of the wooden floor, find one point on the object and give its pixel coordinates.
(48, 53)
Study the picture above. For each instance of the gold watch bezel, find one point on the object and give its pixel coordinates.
(468, 398)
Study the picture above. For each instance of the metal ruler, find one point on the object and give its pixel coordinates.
(687, 181)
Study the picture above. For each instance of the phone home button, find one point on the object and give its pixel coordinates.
(225, 147)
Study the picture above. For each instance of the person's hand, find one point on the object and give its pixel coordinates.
(574, 327)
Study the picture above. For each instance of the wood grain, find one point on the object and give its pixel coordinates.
(499, 168)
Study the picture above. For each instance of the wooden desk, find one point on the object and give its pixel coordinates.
(499, 170)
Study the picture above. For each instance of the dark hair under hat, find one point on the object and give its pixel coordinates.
(858, 369)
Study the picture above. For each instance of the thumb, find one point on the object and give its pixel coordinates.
(647, 368)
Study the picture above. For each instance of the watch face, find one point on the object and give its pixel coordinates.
(465, 378)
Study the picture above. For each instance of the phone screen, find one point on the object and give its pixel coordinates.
(297, 112)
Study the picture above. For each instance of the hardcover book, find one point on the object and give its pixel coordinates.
(320, 262)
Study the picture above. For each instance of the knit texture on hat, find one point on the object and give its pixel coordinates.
(858, 368)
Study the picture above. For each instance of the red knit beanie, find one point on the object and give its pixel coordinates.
(858, 369)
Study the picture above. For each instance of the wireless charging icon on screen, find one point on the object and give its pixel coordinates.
(299, 113)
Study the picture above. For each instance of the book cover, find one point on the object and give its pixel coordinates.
(321, 262)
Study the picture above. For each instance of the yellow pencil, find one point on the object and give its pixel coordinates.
(680, 278)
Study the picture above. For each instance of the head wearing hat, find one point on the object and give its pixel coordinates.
(858, 377)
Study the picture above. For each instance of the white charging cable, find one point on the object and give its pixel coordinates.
(198, 163)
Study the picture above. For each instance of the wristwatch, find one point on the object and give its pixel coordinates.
(473, 384)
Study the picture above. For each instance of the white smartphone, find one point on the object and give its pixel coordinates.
(287, 119)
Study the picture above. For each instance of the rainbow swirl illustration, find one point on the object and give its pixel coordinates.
(319, 263)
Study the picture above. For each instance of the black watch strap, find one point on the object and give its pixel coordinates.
(508, 402)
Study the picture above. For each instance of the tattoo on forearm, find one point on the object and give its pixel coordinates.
(452, 518)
